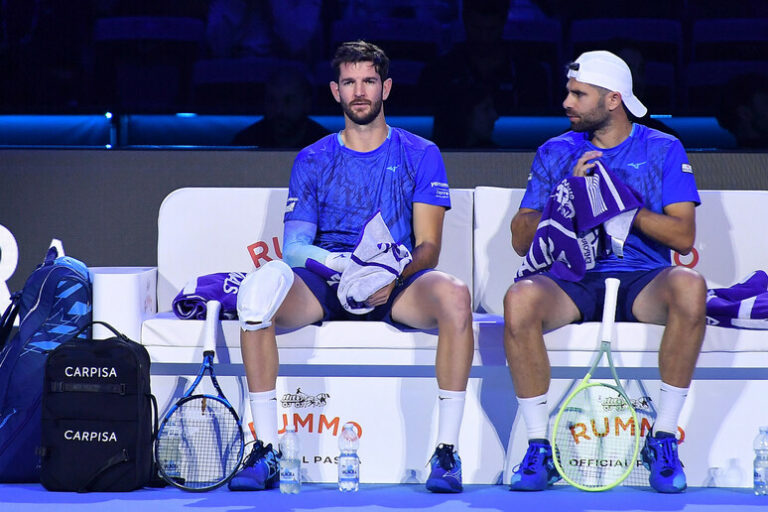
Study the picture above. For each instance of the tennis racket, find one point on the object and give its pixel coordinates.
(200, 441)
(596, 434)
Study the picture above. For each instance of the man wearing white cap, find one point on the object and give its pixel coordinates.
(654, 164)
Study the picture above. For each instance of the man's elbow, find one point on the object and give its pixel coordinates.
(685, 245)
(520, 248)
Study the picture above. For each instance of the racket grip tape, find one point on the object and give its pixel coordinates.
(210, 325)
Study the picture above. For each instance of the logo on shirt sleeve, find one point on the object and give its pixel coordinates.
(687, 168)
(291, 204)
(441, 189)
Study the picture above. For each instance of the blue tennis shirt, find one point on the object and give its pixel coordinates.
(651, 162)
(339, 189)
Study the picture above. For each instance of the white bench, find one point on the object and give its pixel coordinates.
(384, 379)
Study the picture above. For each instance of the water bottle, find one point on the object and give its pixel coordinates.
(290, 463)
(171, 452)
(761, 462)
(349, 463)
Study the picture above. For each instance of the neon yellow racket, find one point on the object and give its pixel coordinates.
(596, 434)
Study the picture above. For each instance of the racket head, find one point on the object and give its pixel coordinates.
(199, 444)
(596, 437)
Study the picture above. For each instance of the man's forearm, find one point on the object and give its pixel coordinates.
(523, 228)
(425, 255)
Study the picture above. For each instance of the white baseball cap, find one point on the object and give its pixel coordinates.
(604, 69)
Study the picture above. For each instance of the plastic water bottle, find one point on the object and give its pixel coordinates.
(761, 462)
(290, 463)
(171, 454)
(349, 463)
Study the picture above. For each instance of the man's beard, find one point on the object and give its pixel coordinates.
(365, 118)
(591, 121)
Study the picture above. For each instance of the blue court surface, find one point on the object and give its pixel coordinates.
(382, 498)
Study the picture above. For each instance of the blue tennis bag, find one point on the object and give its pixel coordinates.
(54, 304)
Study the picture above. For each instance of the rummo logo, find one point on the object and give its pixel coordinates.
(260, 250)
(316, 424)
(301, 400)
(90, 437)
(617, 426)
(311, 424)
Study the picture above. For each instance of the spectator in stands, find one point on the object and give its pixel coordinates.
(337, 187)
(238, 28)
(286, 122)
(481, 60)
(744, 110)
(655, 165)
(469, 124)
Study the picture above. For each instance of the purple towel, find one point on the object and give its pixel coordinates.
(583, 219)
(189, 304)
(743, 305)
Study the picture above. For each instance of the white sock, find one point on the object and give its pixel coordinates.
(264, 412)
(536, 415)
(671, 402)
(451, 409)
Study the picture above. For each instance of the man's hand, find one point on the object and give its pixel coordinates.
(583, 165)
(338, 261)
(381, 295)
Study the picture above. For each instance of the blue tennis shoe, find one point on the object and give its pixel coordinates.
(261, 470)
(537, 471)
(661, 459)
(445, 475)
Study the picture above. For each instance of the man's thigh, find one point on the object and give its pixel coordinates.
(543, 299)
(301, 307)
(652, 303)
(423, 301)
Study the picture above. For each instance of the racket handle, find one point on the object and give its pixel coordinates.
(609, 308)
(210, 326)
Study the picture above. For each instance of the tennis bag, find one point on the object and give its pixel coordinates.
(53, 305)
(97, 416)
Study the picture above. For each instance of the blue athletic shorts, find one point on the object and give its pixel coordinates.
(333, 310)
(589, 293)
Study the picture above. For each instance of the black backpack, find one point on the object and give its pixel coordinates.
(99, 416)
(53, 306)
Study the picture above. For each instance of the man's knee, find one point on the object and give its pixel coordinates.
(261, 293)
(685, 278)
(521, 299)
(688, 287)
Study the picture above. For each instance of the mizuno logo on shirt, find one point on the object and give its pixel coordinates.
(393, 168)
(636, 165)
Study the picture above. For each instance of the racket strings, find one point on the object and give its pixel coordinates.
(595, 438)
(201, 443)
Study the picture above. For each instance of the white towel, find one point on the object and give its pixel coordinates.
(376, 261)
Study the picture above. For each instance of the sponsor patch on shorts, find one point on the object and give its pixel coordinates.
(687, 168)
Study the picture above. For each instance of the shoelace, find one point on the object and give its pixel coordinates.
(444, 454)
(531, 458)
(257, 452)
(667, 456)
